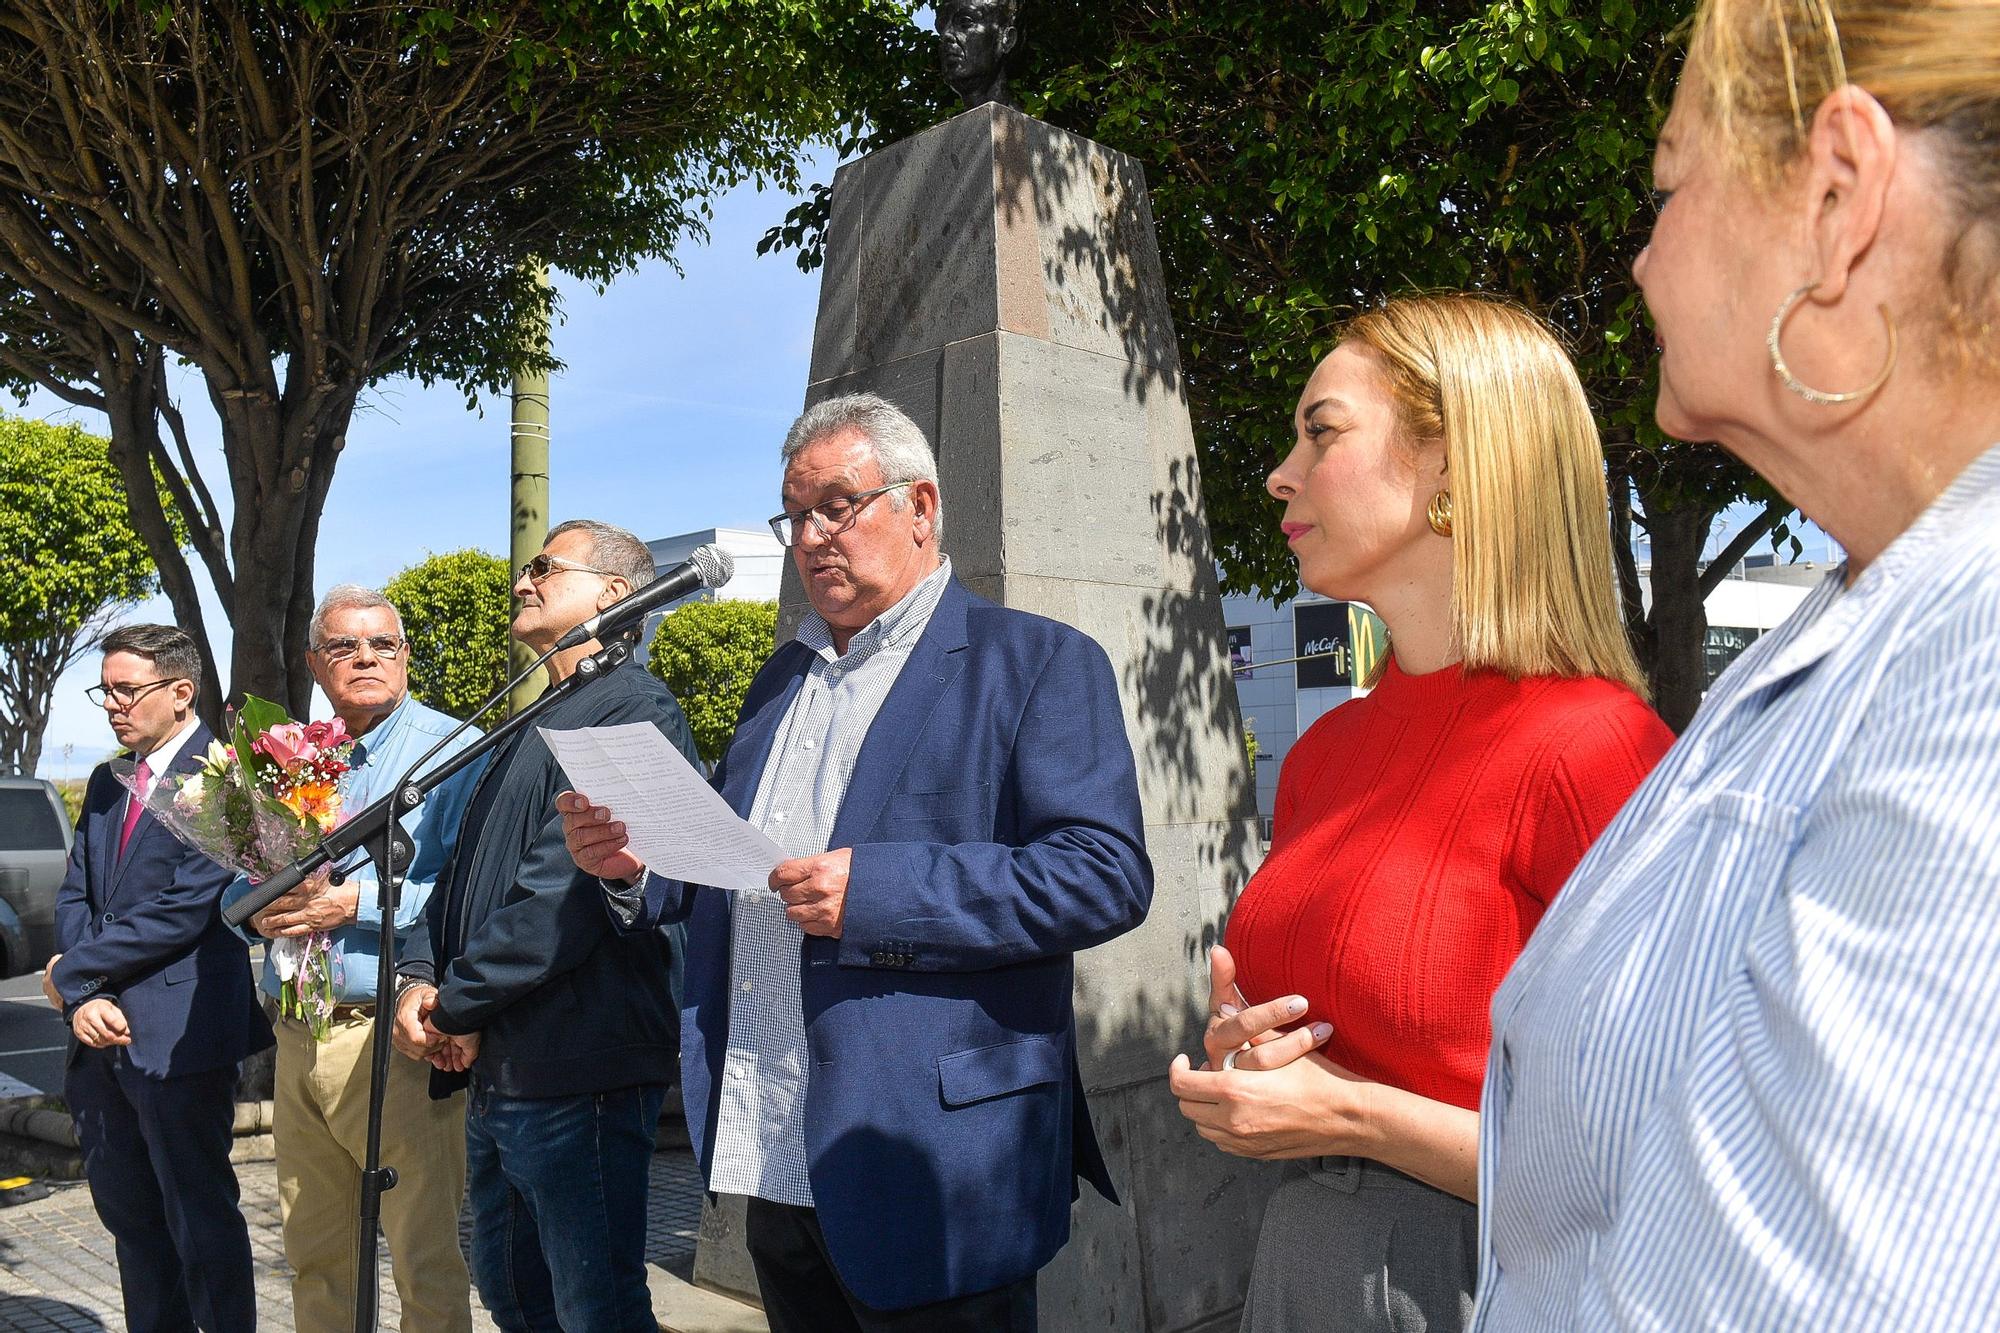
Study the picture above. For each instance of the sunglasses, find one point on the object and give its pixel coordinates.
(544, 565)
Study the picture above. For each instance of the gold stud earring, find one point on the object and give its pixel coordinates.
(1438, 511)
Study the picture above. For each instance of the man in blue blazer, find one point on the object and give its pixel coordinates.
(882, 1053)
(158, 994)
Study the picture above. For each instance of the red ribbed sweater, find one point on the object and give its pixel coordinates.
(1420, 832)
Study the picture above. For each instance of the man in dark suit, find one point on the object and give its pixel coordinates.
(158, 994)
(882, 1053)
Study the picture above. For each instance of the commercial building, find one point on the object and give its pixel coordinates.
(1296, 660)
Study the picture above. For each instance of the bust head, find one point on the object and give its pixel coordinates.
(975, 38)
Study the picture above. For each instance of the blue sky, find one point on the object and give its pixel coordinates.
(668, 418)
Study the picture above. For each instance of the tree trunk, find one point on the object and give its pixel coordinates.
(132, 407)
(1679, 623)
(281, 453)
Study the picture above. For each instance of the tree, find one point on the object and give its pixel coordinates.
(707, 653)
(455, 613)
(1306, 160)
(302, 197)
(73, 562)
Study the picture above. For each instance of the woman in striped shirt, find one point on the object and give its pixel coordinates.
(1746, 1075)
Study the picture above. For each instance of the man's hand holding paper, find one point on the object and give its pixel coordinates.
(596, 840)
(638, 805)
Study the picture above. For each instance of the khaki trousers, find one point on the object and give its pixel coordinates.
(320, 1126)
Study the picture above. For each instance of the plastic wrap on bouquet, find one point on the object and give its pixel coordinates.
(256, 805)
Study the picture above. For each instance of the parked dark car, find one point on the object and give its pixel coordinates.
(34, 851)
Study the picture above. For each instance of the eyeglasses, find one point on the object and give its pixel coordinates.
(388, 647)
(831, 517)
(124, 695)
(543, 565)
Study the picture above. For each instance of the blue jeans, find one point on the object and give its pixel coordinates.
(558, 1192)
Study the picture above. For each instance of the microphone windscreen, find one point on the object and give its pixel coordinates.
(717, 566)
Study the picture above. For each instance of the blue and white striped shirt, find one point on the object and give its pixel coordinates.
(1746, 1074)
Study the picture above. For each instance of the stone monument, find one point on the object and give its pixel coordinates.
(998, 279)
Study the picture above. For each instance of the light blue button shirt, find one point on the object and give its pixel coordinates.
(380, 759)
(1746, 1074)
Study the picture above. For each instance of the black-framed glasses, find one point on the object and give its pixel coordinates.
(125, 695)
(543, 565)
(388, 647)
(831, 517)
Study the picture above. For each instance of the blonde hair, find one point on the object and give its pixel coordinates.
(1762, 67)
(1532, 580)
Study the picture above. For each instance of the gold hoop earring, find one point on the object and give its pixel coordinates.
(1820, 397)
(1438, 511)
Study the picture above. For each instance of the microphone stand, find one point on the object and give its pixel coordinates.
(381, 820)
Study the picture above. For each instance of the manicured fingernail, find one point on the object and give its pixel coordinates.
(1321, 1031)
(600, 814)
(1296, 1005)
(1227, 1010)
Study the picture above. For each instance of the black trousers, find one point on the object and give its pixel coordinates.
(802, 1293)
(156, 1153)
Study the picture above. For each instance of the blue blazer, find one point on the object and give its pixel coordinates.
(995, 824)
(145, 931)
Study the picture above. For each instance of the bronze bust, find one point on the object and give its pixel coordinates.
(975, 38)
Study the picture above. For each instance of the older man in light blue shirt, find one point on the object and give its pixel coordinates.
(360, 658)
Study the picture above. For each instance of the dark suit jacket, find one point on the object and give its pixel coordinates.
(994, 816)
(145, 931)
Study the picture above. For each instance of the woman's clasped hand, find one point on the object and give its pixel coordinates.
(1266, 1090)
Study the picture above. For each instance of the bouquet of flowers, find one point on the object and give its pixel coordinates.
(257, 804)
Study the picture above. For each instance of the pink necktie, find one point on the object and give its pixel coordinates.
(142, 780)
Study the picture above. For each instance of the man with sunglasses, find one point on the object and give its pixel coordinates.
(566, 1029)
(157, 992)
(360, 660)
(881, 1052)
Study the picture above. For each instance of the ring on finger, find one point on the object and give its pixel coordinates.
(1229, 1060)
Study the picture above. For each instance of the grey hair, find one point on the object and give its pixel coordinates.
(612, 549)
(347, 597)
(900, 449)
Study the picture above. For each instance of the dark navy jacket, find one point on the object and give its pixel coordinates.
(518, 942)
(995, 821)
(145, 931)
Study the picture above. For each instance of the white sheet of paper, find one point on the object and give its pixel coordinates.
(674, 821)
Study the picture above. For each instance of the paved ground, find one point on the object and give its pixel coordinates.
(31, 1039)
(58, 1272)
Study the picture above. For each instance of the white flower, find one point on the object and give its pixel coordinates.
(285, 955)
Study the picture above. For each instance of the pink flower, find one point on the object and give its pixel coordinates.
(328, 735)
(286, 744)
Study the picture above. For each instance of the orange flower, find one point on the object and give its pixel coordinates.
(315, 801)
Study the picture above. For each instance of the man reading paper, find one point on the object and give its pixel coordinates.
(881, 1054)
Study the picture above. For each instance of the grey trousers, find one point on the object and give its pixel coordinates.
(1352, 1246)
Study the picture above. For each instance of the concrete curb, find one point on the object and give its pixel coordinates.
(38, 1138)
(47, 1120)
(682, 1307)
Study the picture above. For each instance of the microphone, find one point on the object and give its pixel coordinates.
(708, 567)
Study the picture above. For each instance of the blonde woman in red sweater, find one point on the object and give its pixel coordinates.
(1446, 472)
